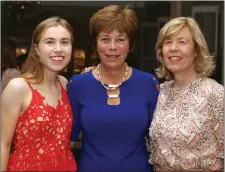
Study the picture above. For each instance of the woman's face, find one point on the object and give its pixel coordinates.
(55, 48)
(179, 52)
(112, 48)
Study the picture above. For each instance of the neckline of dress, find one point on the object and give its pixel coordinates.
(59, 101)
(181, 90)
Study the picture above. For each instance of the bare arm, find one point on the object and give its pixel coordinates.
(10, 110)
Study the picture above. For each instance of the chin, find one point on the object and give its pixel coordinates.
(56, 69)
(175, 71)
(114, 64)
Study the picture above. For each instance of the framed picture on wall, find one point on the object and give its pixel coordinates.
(207, 18)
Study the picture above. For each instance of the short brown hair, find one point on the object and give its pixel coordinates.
(204, 63)
(114, 17)
(33, 69)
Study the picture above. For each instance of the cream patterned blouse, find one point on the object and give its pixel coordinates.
(187, 130)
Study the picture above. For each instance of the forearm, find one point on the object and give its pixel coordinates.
(5, 151)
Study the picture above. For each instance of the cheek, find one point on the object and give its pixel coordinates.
(164, 52)
(101, 48)
(44, 50)
(124, 48)
(69, 50)
(190, 53)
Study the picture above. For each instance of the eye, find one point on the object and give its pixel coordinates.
(167, 42)
(120, 40)
(105, 40)
(182, 42)
(50, 42)
(65, 42)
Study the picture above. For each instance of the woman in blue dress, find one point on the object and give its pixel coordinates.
(114, 103)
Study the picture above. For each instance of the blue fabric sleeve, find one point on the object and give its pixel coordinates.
(72, 91)
(153, 95)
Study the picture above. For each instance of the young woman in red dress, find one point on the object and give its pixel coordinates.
(36, 113)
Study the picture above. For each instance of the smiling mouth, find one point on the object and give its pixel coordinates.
(175, 58)
(112, 56)
(57, 58)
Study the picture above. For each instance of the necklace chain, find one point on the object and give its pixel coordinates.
(111, 86)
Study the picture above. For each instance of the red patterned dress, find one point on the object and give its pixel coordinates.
(42, 137)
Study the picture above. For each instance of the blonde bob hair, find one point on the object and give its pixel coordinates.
(204, 63)
(33, 70)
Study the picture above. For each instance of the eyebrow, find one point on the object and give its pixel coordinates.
(49, 38)
(109, 36)
(169, 38)
(183, 38)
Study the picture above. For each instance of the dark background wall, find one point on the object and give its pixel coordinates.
(19, 23)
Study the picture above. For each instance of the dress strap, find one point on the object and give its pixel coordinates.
(62, 88)
(30, 86)
(60, 82)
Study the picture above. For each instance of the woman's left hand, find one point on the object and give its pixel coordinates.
(87, 69)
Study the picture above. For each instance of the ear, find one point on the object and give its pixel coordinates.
(36, 49)
(196, 54)
(132, 48)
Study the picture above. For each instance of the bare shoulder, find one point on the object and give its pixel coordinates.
(15, 94)
(16, 86)
(63, 80)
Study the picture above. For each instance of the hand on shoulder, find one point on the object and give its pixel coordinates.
(88, 69)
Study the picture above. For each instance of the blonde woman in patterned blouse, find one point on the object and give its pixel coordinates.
(187, 130)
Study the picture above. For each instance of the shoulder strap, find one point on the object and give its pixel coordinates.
(60, 82)
(29, 85)
(63, 90)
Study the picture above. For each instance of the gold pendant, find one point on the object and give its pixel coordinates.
(114, 86)
(113, 95)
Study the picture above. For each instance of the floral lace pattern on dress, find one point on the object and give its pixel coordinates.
(187, 130)
(42, 135)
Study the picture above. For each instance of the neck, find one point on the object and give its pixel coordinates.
(181, 81)
(112, 76)
(50, 79)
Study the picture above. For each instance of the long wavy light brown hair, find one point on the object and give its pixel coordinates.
(33, 70)
(204, 62)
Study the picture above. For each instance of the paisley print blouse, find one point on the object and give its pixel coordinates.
(187, 131)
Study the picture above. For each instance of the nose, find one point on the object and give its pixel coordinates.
(112, 45)
(174, 46)
(58, 47)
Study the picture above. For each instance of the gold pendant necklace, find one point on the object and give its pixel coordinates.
(111, 86)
